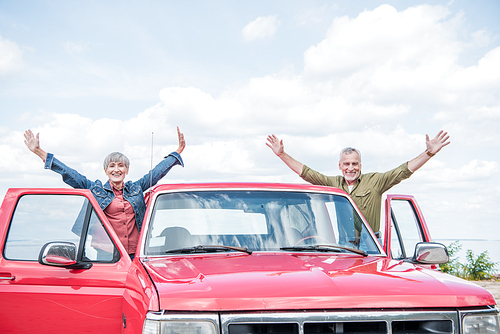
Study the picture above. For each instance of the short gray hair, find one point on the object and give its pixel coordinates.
(349, 150)
(116, 157)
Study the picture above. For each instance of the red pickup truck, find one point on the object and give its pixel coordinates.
(229, 258)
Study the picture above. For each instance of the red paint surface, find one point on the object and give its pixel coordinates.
(267, 281)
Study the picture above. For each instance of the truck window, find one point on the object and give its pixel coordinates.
(39, 219)
(98, 244)
(405, 229)
(258, 220)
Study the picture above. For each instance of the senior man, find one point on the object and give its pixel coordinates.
(365, 189)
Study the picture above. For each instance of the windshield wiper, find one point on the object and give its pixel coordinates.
(325, 248)
(209, 249)
(314, 248)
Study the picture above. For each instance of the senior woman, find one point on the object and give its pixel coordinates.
(122, 202)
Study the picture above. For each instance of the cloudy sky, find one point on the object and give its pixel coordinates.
(99, 76)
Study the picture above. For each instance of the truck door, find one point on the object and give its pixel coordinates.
(41, 298)
(404, 226)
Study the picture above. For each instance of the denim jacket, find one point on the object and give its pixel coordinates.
(133, 192)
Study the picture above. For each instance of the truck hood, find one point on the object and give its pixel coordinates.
(284, 281)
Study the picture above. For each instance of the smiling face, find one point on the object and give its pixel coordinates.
(350, 165)
(116, 172)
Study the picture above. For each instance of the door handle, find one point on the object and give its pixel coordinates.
(7, 276)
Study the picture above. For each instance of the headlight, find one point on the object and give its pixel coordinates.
(179, 324)
(481, 324)
(151, 327)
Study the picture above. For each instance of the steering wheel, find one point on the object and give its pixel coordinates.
(312, 237)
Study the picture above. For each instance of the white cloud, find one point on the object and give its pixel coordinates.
(73, 48)
(361, 108)
(478, 170)
(312, 15)
(473, 172)
(271, 103)
(481, 38)
(385, 51)
(478, 78)
(262, 27)
(10, 57)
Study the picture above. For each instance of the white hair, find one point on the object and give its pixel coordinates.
(349, 150)
(116, 157)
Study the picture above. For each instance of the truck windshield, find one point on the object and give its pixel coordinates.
(254, 220)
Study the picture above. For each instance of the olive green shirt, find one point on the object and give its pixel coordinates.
(368, 190)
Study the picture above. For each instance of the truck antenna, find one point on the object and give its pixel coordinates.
(151, 170)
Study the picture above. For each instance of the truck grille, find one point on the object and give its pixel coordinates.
(341, 322)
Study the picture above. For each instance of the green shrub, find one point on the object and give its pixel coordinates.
(476, 267)
(453, 266)
(480, 267)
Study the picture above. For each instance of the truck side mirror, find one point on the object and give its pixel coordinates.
(61, 254)
(430, 253)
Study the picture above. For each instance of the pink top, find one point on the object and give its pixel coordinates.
(122, 217)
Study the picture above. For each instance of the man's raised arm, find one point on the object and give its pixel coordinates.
(279, 149)
(433, 146)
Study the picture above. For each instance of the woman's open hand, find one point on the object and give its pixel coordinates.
(33, 143)
(182, 142)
